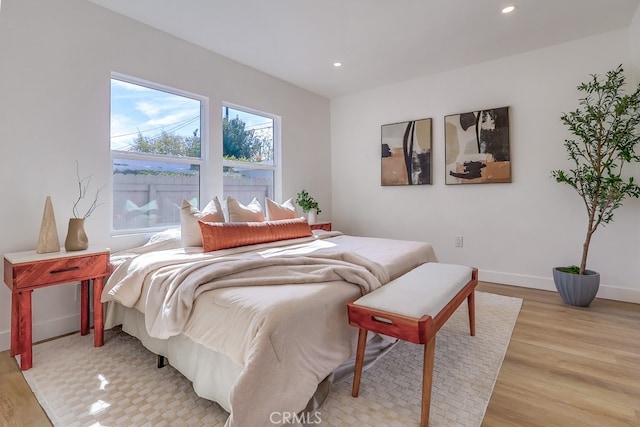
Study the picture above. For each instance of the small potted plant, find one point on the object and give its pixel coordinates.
(606, 127)
(308, 205)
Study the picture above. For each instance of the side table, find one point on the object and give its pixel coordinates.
(26, 271)
(326, 226)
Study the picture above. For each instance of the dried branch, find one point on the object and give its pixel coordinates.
(83, 185)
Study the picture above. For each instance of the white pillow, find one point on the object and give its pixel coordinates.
(276, 211)
(241, 213)
(189, 216)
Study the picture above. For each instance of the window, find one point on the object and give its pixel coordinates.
(250, 165)
(156, 153)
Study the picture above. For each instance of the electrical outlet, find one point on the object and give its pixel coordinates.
(458, 241)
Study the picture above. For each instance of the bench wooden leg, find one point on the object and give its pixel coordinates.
(362, 343)
(471, 303)
(427, 380)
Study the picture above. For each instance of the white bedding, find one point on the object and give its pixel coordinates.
(282, 337)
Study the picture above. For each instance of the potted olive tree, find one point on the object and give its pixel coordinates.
(606, 130)
(308, 205)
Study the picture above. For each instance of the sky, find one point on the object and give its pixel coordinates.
(138, 109)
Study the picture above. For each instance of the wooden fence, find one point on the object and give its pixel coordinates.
(141, 201)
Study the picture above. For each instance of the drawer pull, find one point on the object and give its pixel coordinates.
(64, 270)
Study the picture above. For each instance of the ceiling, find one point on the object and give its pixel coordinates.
(379, 42)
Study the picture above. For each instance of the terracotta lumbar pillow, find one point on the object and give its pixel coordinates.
(222, 235)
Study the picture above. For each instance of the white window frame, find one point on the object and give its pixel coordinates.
(277, 159)
(202, 161)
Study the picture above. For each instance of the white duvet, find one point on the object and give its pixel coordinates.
(279, 310)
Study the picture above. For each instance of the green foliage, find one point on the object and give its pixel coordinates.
(169, 144)
(306, 202)
(606, 127)
(240, 144)
(572, 269)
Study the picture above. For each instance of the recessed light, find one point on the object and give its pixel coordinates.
(508, 9)
(337, 64)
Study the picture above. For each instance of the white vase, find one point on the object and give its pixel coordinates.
(312, 216)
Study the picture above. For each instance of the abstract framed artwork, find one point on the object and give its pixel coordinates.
(477, 147)
(406, 153)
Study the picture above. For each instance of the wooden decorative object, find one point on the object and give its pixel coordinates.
(48, 240)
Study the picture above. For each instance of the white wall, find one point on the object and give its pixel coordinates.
(634, 43)
(55, 65)
(514, 233)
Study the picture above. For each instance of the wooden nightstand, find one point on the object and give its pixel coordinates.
(326, 226)
(26, 271)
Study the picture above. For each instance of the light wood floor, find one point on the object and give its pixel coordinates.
(565, 366)
(568, 366)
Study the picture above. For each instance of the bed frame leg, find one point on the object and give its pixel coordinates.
(161, 360)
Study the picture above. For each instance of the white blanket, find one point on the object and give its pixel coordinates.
(176, 279)
(288, 333)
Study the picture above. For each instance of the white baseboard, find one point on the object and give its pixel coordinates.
(45, 330)
(546, 283)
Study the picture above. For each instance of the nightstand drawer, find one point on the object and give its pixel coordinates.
(62, 270)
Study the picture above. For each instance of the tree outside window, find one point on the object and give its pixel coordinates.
(249, 166)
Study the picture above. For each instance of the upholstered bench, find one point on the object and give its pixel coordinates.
(413, 308)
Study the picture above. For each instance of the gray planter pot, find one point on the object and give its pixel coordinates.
(576, 289)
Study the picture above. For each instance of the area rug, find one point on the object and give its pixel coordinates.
(119, 385)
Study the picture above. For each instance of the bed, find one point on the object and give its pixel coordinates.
(259, 329)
